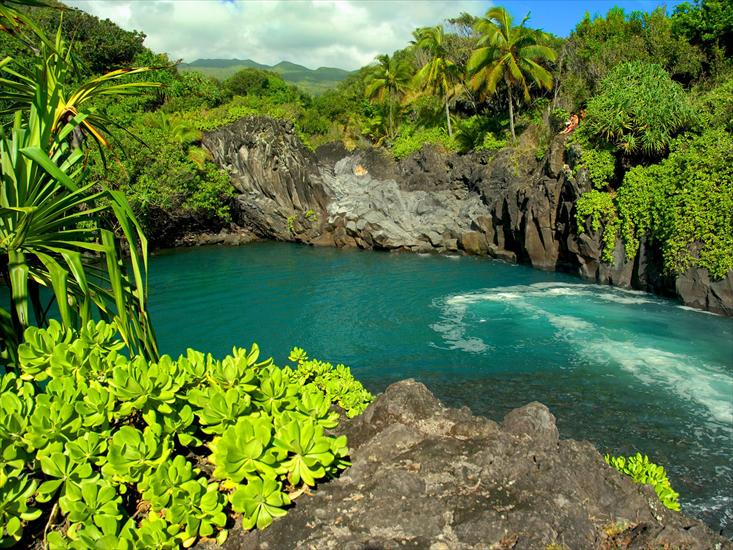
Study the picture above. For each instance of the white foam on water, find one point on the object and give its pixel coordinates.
(688, 308)
(687, 377)
(680, 374)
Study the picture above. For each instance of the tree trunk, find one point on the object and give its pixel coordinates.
(447, 118)
(391, 119)
(511, 110)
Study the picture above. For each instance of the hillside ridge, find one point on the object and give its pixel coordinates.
(315, 81)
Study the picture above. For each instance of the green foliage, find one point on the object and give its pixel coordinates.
(715, 105)
(259, 502)
(708, 23)
(475, 134)
(601, 209)
(116, 445)
(601, 166)
(409, 140)
(644, 472)
(336, 383)
(639, 109)
(169, 182)
(599, 44)
(54, 226)
(685, 204)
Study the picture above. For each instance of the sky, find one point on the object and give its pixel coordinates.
(315, 33)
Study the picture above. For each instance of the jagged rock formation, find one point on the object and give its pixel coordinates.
(276, 176)
(510, 205)
(425, 476)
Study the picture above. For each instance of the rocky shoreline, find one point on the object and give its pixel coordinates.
(510, 205)
(428, 477)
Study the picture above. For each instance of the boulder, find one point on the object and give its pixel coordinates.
(428, 477)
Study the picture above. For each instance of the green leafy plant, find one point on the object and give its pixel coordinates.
(51, 222)
(260, 501)
(639, 109)
(641, 470)
(128, 453)
(599, 208)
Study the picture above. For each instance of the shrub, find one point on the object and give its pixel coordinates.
(410, 140)
(599, 208)
(601, 166)
(474, 134)
(119, 447)
(642, 471)
(639, 109)
(685, 204)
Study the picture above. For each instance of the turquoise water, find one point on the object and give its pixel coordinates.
(622, 369)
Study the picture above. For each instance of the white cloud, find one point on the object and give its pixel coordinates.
(314, 33)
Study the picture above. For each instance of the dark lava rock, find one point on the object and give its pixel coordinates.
(281, 195)
(428, 477)
(512, 204)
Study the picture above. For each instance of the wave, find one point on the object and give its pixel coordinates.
(621, 347)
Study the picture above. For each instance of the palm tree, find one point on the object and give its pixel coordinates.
(389, 80)
(52, 230)
(509, 53)
(439, 76)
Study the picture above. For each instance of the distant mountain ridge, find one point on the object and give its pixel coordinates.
(315, 81)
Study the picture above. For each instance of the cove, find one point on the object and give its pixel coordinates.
(623, 369)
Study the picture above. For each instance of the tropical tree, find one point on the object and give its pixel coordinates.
(389, 81)
(54, 246)
(509, 53)
(439, 76)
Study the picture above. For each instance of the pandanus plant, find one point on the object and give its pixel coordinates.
(54, 244)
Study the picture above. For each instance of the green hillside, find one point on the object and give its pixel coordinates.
(312, 81)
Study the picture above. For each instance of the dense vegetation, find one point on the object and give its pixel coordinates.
(313, 81)
(103, 451)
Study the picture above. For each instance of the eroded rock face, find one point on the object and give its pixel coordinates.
(428, 477)
(508, 205)
(281, 195)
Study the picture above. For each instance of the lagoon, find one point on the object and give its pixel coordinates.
(625, 370)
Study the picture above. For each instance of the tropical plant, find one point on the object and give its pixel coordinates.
(51, 233)
(388, 81)
(639, 108)
(644, 472)
(439, 76)
(510, 53)
(103, 466)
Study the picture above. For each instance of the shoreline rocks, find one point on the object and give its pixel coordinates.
(426, 476)
(509, 205)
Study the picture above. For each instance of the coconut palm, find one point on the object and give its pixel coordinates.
(508, 53)
(52, 232)
(389, 81)
(439, 76)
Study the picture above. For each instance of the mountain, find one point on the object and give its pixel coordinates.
(314, 81)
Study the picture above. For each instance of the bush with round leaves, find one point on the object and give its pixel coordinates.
(112, 452)
(642, 471)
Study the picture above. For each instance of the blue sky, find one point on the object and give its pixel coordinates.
(560, 17)
(316, 33)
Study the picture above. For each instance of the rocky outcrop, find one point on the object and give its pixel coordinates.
(281, 195)
(428, 477)
(510, 205)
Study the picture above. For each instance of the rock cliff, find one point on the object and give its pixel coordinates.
(509, 205)
(428, 477)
